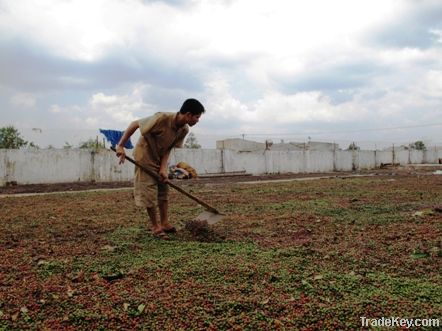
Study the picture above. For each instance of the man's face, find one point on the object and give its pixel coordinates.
(192, 119)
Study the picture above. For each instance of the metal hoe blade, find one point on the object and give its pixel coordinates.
(209, 217)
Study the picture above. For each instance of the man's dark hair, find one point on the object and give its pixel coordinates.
(192, 106)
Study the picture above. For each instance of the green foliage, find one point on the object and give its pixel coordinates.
(92, 144)
(49, 268)
(353, 147)
(419, 145)
(191, 142)
(31, 144)
(10, 138)
(67, 145)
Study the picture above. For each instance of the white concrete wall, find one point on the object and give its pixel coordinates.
(27, 166)
(343, 160)
(383, 157)
(319, 161)
(366, 160)
(416, 157)
(251, 162)
(204, 161)
(283, 162)
(107, 169)
(402, 157)
(432, 155)
(4, 175)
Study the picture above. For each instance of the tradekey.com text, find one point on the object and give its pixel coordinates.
(399, 322)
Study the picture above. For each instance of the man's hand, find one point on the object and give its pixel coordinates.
(164, 178)
(121, 154)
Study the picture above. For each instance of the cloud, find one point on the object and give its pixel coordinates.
(167, 2)
(86, 31)
(332, 78)
(257, 66)
(415, 26)
(104, 110)
(432, 84)
(71, 29)
(438, 34)
(24, 68)
(273, 111)
(25, 100)
(307, 111)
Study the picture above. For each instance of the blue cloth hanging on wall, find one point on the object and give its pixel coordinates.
(114, 136)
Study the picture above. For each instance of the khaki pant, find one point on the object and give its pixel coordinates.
(147, 191)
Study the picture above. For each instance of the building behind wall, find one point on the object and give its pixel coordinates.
(242, 145)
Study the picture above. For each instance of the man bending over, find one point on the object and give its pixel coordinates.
(159, 134)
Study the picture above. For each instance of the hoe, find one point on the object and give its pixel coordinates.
(210, 215)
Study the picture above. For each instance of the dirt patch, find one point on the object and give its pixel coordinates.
(61, 187)
(80, 186)
(202, 231)
(299, 255)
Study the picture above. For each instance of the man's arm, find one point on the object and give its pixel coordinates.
(126, 136)
(163, 167)
(165, 159)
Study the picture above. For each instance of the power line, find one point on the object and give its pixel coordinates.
(346, 131)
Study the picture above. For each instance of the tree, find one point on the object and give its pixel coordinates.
(31, 144)
(10, 138)
(353, 147)
(92, 144)
(419, 145)
(191, 141)
(67, 145)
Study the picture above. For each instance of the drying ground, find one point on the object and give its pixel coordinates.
(301, 255)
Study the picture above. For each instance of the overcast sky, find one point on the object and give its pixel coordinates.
(367, 70)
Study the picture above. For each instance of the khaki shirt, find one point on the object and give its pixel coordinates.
(159, 135)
